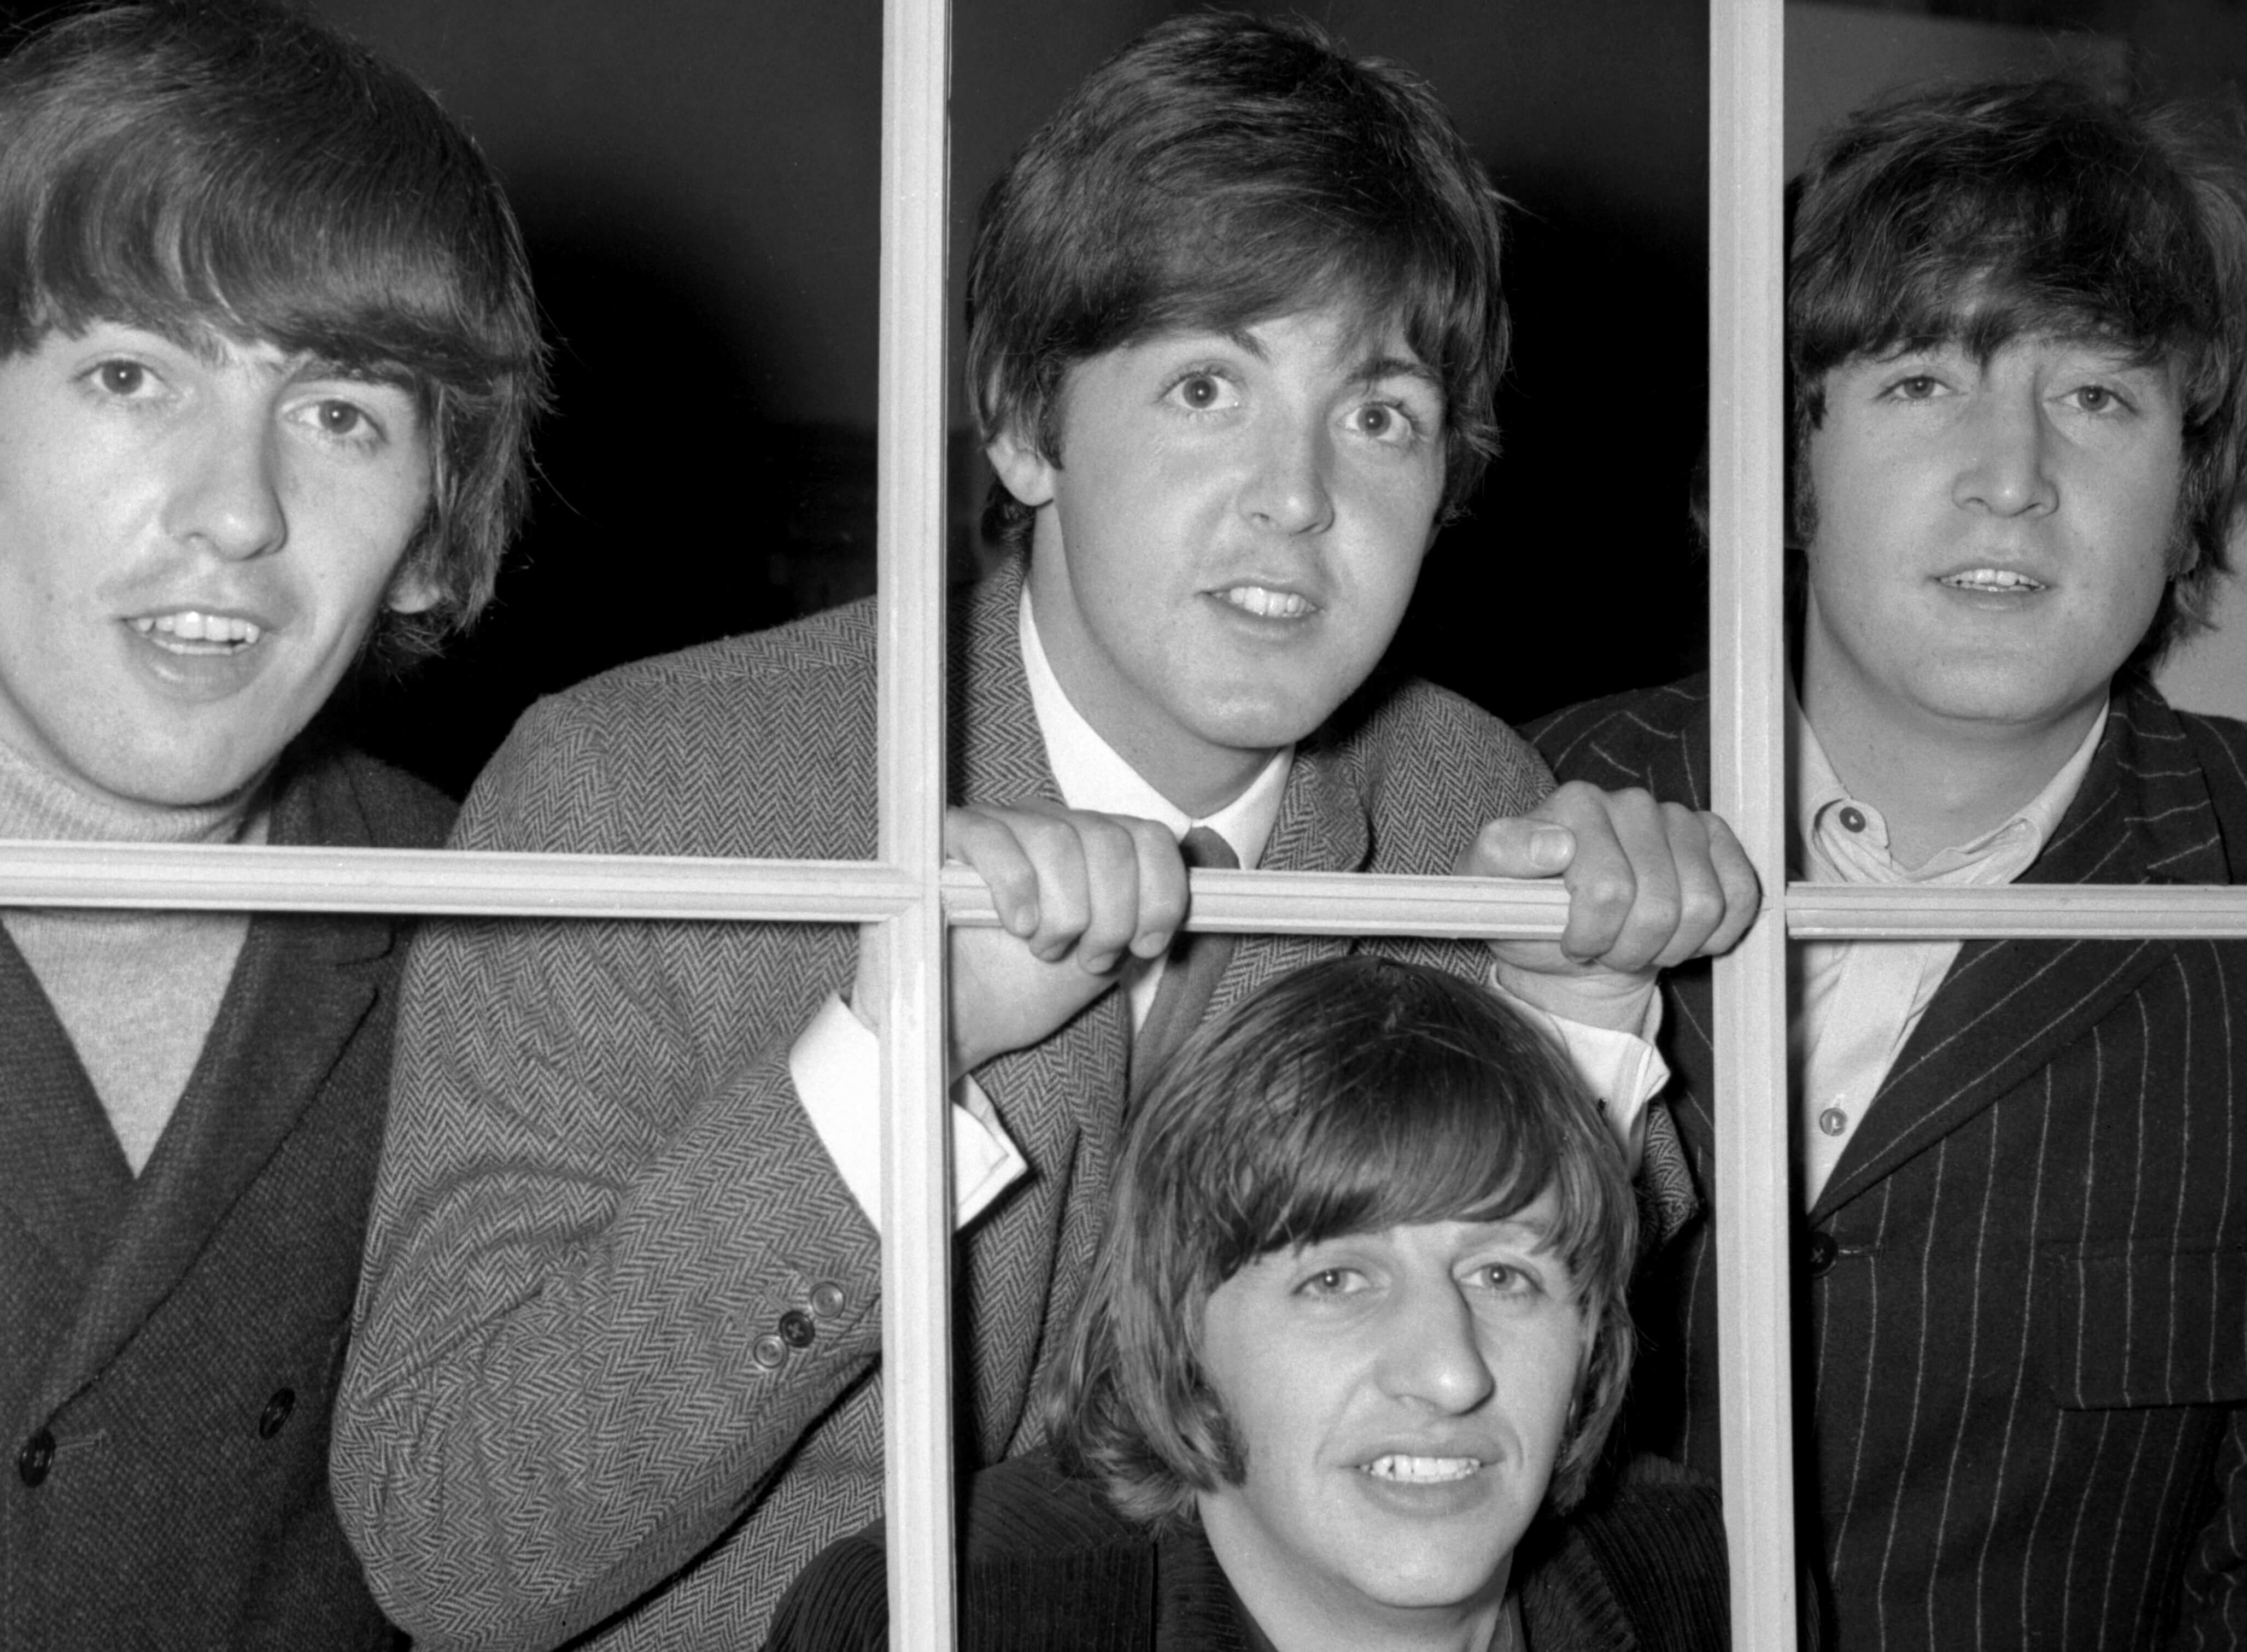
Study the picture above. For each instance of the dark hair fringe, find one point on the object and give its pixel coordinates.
(1221, 171)
(1354, 1096)
(229, 166)
(1980, 213)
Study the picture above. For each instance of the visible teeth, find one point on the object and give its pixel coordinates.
(1267, 603)
(1422, 1471)
(191, 625)
(1993, 579)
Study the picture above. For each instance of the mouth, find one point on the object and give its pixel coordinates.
(192, 631)
(2003, 581)
(1420, 1470)
(1267, 602)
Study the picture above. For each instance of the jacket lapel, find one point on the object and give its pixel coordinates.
(998, 754)
(2143, 815)
(300, 988)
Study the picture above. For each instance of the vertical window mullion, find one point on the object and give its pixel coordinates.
(1746, 653)
(910, 538)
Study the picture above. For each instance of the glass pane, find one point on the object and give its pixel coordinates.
(698, 187)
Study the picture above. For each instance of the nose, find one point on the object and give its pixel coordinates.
(1432, 1351)
(1288, 488)
(225, 484)
(2006, 464)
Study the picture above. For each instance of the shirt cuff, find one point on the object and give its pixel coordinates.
(836, 1066)
(1622, 1069)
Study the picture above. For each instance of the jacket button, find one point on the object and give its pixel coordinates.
(797, 1329)
(827, 1301)
(37, 1457)
(1823, 1250)
(276, 1412)
(768, 1351)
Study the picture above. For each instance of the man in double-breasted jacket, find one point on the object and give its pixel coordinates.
(2015, 318)
(231, 466)
(1235, 330)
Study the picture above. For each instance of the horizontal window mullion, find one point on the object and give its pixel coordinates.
(444, 883)
(1826, 911)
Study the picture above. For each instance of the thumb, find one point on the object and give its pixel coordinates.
(1519, 847)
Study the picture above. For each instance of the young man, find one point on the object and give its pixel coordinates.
(1345, 1367)
(2018, 329)
(267, 354)
(1235, 324)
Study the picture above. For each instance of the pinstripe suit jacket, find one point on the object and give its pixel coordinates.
(599, 1198)
(174, 1340)
(2022, 1329)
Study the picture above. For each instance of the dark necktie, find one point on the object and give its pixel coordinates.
(1189, 972)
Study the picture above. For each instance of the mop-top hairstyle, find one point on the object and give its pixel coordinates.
(1978, 214)
(1354, 1096)
(1225, 170)
(208, 168)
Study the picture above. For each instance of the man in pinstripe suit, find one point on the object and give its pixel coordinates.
(2017, 332)
(615, 1373)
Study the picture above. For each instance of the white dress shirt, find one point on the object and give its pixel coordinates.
(1855, 1002)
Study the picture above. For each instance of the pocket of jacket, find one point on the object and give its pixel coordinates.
(2130, 1325)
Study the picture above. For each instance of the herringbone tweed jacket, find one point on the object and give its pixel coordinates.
(615, 1364)
(170, 1345)
(2022, 1329)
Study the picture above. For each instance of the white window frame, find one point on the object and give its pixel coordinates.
(907, 888)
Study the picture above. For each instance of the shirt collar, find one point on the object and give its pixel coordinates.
(1093, 776)
(1835, 851)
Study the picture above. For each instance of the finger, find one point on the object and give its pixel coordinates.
(1055, 848)
(984, 840)
(1521, 846)
(1701, 900)
(1743, 888)
(1110, 859)
(1163, 888)
(1650, 920)
(1603, 875)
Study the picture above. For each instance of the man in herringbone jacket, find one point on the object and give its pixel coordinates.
(2016, 331)
(1235, 327)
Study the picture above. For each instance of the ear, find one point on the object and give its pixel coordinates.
(1025, 472)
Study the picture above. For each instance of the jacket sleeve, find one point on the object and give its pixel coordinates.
(2213, 1596)
(602, 1229)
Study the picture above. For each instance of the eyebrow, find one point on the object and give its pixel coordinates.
(1379, 367)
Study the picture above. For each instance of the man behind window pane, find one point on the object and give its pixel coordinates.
(267, 353)
(2018, 333)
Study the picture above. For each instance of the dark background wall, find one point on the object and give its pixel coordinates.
(699, 183)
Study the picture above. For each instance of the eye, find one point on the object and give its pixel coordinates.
(1506, 1279)
(340, 418)
(1920, 386)
(2097, 399)
(1332, 1282)
(1384, 421)
(1202, 391)
(121, 378)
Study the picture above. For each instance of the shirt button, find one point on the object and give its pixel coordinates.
(37, 1457)
(797, 1329)
(827, 1301)
(768, 1351)
(1853, 817)
(1832, 1121)
(276, 1412)
(1823, 1250)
